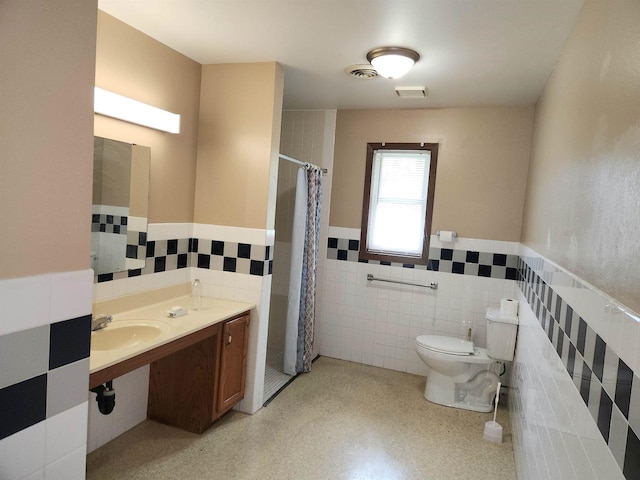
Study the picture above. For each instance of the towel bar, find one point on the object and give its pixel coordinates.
(432, 285)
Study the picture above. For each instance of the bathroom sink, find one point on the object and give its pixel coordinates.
(126, 334)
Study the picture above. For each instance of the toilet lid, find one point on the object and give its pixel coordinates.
(450, 345)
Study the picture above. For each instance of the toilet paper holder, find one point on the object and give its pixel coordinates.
(453, 234)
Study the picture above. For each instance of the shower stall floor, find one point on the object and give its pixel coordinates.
(274, 377)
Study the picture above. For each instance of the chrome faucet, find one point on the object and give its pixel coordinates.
(100, 322)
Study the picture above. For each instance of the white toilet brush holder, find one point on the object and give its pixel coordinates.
(492, 429)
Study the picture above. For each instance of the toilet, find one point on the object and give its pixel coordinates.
(462, 375)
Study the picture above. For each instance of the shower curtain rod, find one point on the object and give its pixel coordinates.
(306, 165)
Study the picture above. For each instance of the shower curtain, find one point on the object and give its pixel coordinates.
(304, 262)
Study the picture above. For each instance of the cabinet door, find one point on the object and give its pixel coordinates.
(233, 363)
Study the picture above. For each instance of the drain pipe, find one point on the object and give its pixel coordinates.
(106, 397)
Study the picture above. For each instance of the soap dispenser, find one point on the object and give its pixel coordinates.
(196, 295)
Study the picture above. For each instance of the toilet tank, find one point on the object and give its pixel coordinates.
(501, 335)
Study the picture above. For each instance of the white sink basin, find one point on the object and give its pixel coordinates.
(126, 334)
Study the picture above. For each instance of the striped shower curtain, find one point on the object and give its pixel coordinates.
(304, 263)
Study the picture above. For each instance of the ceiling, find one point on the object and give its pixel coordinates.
(473, 52)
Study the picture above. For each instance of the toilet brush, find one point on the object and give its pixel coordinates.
(492, 429)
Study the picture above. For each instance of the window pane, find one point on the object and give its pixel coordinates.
(402, 176)
(398, 228)
(398, 202)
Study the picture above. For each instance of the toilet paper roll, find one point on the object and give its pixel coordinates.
(509, 306)
(446, 236)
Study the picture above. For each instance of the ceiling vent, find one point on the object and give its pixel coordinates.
(363, 72)
(412, 92)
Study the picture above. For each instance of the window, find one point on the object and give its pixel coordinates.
(398, 202)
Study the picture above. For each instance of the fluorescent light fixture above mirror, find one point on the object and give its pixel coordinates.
(123, 108)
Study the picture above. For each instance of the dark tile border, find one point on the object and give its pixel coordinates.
(166, 255)
(459, 262)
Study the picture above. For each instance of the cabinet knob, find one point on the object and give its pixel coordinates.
(229, 339)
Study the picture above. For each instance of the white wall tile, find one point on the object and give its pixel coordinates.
(342, 232)
(131, 409)
(257, 350)
(69, 467)
(71, 295)
(270, 237)
(24, 303)
(225, 233)
(618, 326)
(110, 210)
(37, 475)
(138, 224)
(348, 297)
(23, 453)
(124, 286)
(169, 231)
(548, 414)
(103, 291)
(66, 432)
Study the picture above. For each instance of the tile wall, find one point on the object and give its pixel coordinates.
(232, 263)
(376, 323)
(279, 295)
(246, 285)
(109, 226)
(132, 392)
(136, 241)
(165, 255)
(575, 403)
(309, 136)
(44, 375)
(113, 231)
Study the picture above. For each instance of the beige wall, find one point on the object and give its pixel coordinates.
(46, 133)
(238, 141)
(133, 64)
(583, 193)
(482, 165)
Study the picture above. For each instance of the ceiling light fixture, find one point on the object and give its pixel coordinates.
(123, 108)
(392, 62)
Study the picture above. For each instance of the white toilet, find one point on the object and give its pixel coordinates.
(464, 376)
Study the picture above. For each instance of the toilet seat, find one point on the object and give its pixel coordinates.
(446, 345)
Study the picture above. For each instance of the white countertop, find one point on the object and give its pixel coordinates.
(213, 311)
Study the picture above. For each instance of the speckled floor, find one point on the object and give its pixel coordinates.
(341, 421)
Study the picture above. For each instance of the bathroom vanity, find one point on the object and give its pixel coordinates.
(197, 361)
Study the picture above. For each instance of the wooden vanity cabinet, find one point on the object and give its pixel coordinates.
(193, 387)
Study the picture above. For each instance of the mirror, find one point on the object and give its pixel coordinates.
(120, 206)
